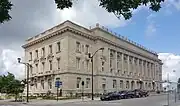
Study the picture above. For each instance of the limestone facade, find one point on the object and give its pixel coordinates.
(61, 53)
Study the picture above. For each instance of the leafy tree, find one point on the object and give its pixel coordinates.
(118, 7)
(10, 85)
(5, 7)
(178, 86)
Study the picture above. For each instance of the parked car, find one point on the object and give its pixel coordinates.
(134, 94)
(110, 96)
(141, 93)
(124, 94)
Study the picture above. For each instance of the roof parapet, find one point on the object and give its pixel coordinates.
(123, 38)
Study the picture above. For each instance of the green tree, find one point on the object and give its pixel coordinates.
(118, 7)
(178, 86)
(10, 85)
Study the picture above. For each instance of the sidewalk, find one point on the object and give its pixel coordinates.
(155, 94)
(40, 102)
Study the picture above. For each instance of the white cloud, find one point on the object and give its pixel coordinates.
(170, 62)
(86, 13)
(9, 63)
(151, 29)
(175, 3)
(169, 4)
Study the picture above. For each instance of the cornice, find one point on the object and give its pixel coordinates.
(123, 39)
(122, 47)
(95, 75)
(65, 29)
(45, 37)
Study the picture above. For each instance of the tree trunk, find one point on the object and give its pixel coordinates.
(15, 97)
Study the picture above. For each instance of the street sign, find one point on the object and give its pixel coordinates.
(58, 84)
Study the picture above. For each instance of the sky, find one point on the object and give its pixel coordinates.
(158, 31)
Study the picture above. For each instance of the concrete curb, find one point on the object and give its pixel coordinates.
(156, 94)
(61, 101)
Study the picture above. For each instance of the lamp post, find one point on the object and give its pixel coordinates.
(27, 80)
(153, 83)
(140, 82)
(92, 74)
(168, 82)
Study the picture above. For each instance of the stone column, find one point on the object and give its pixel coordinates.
(149, 71)
(133, 68)
(152, 69)
(138, 68)
(128, 67)
(122, 64)
(142, 69)
(146, 71)
(109, 60)
(115, 65)
(155, 72)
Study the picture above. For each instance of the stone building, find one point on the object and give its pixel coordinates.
(61, 53)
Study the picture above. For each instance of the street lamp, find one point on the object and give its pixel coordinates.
(153, 83)
(168, 82)
(140, 82)
(91, 56)
(27, 80)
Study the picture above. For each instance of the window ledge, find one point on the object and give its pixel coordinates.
(58, 52)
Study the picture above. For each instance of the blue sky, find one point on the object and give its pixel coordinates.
(163, 33)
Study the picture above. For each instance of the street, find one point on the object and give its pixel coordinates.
(160, 100)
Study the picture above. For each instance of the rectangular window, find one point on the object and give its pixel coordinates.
(118, 65)
(36, 53)
(35, 83)
(125, 58)
(58, 47)
(43, 52)
(87, 82)
(50, 49)
(42, 84)
(36, 68)
(58, 63)
(102, 69)
(87, 65)
(30, 54)
(49, 84)
(110, 63)
(121, 84)
(78, 82)
(82, 48)
(57, 79)
(31, 70)
(114, 84)
(87, 49)
(43, 66)
(78, 63)
(50, 65)
(78, 47)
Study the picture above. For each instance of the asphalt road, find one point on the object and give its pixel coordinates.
(148, 101)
